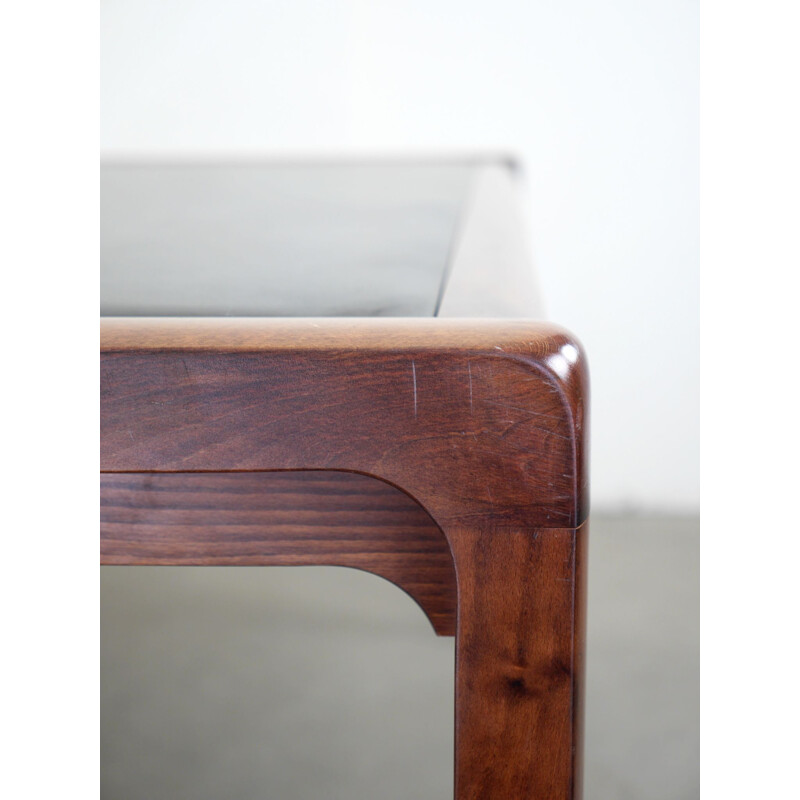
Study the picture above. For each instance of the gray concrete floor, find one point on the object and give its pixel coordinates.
(329, 683)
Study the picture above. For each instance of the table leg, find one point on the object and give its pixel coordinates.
(519, 663)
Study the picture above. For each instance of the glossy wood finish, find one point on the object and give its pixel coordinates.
(483, 424)
(478, 421)
(279, 518)
(520, 662)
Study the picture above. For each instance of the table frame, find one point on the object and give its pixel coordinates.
(448, 456)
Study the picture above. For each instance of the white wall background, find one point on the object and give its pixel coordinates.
(599, 98)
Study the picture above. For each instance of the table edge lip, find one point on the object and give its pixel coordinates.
(247, 334)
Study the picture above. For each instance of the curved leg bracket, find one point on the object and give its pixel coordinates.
(483, 423)
(279, 519)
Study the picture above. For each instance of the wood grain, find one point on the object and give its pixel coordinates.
(476, 421)
(520, 663)
(481, 423)
(279, 518)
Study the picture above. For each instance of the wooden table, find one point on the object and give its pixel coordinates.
(330, 364)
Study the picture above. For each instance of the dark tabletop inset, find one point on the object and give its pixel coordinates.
(278, 239)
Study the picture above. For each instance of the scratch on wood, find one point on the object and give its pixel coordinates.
(469, 369)
(529, 411)
(414, 378)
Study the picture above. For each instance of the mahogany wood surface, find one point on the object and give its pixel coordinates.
(520, 662)
(483, 424)
(279, 518)
(477, 420)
